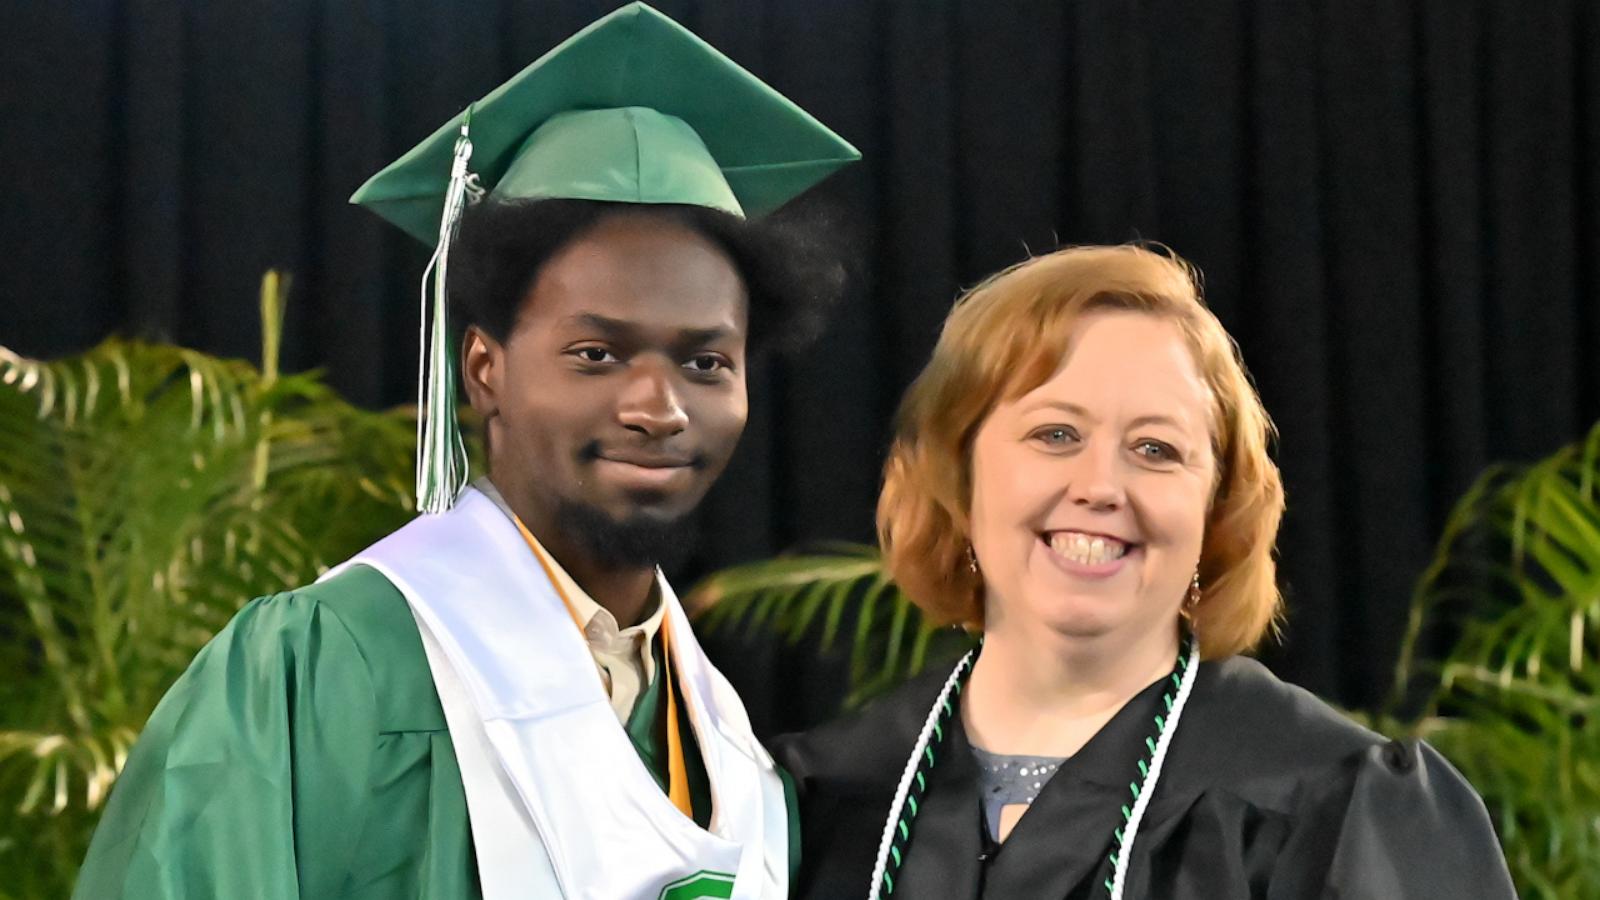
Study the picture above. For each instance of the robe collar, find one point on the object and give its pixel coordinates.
(1058, 844)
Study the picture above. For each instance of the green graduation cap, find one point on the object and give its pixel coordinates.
(632, 109)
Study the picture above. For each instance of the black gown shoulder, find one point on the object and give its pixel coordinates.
(1267, 792)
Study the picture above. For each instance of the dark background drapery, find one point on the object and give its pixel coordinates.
(1393, 203)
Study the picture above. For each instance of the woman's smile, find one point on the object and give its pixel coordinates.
(1087, 554)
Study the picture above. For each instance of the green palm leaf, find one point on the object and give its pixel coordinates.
(819, 595)
(146, 492)
(1514, 702)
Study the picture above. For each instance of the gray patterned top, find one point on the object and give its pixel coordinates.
(1003, 780)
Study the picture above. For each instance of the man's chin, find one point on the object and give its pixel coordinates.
(657, 505)
(659, 533)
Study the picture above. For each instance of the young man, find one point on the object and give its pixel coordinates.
(504, 699)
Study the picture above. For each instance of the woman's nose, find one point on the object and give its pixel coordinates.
(1093, 479)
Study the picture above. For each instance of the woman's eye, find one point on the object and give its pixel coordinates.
(1055, 436)
(1156, 451)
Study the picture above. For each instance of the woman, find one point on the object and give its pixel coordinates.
(1081, 473)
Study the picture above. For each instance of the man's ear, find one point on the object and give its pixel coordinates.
(482, 367)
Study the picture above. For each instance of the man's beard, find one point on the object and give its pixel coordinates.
(639, 540)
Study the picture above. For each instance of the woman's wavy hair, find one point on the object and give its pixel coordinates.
(1006, 337)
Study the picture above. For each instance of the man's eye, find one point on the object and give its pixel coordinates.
(594, 354)
(706, 363)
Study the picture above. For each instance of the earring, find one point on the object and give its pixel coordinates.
(972, 560)
(1193, 599)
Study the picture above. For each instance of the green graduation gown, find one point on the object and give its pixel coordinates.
(304, 754)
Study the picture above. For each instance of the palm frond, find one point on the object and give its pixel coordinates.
(146, 492)
(839, 588)
(1514, 700)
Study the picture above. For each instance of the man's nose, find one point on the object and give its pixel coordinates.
(650, 404)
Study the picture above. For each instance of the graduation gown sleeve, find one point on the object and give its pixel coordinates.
(282, 765)
(1405, 824)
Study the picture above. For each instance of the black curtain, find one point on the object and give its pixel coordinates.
(1393, 203)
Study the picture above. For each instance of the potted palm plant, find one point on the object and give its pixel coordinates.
(146, 492)
(1512, 694)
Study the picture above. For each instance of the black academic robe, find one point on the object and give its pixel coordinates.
(1266, 793)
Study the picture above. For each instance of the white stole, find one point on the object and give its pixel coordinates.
(559, 801)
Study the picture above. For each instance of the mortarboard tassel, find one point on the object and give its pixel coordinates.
(441, 455)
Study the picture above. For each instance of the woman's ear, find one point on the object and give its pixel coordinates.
(482, 366)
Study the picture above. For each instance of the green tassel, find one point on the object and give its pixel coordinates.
(441, 453)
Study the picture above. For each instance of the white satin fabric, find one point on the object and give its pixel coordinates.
(559, 801)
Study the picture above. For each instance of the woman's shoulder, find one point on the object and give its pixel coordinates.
(1241, 705)
(1248, 703)
(866, 749)
(1247, 731)
(845, 773)
(1368, 815)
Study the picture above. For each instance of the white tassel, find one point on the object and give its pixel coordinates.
(441, 453)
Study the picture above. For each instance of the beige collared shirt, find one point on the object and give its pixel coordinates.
(622, 655)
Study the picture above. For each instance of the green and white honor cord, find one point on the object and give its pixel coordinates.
(913, 787)
(441, 454)
(914, 782)
(1166, 727)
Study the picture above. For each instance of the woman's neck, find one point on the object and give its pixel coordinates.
(1037, 692)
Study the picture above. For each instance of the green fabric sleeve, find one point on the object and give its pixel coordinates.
(251, 777)
(791, 801)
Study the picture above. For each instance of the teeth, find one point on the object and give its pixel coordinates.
(1086, 550)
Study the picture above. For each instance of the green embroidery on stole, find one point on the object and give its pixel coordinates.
(700, 886)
